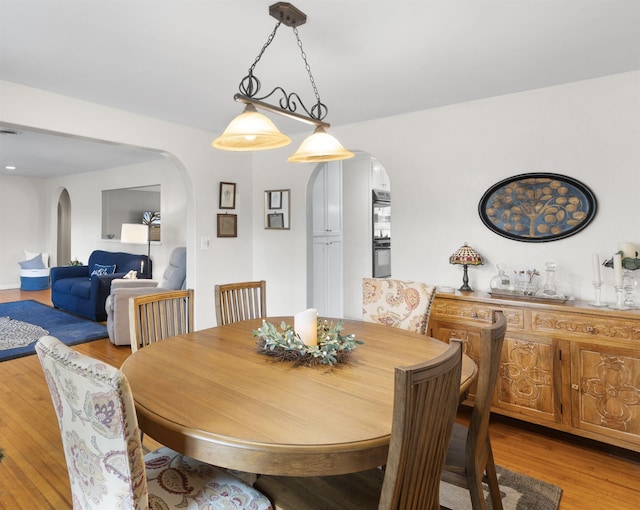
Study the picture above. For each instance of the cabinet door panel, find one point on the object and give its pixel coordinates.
(327, 276)
(327, 201)
(470, 345)
(606, 386)
(530, 378)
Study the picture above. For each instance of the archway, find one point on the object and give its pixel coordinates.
(63, 240)
(340, 244)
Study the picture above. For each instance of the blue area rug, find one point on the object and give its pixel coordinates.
(28, 320)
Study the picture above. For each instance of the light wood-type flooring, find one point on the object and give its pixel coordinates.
(33, 474)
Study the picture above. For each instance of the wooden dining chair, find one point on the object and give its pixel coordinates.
(402, 304)
(101, 440)
(240, 301)
(469, 458)
(154, 317)
(424, 409)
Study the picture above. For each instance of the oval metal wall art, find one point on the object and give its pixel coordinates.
(537, 207)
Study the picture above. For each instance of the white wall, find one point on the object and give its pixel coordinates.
(358, 260)
(23, 224)
(440, 163)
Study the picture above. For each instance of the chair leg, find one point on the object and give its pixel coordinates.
(145, 449)
(475, 491)
(492, 481)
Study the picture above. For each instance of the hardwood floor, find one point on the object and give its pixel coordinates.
(33, 474)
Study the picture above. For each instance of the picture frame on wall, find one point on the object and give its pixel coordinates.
(537, 207)
(227, 225)
(276, 220)
(227, 195)
(275, 200)
(277, 209)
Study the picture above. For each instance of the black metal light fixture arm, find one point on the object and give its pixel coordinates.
(250, 85)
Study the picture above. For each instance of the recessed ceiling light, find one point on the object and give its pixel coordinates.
(9, 167)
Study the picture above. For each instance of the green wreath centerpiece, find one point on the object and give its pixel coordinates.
(285, 344)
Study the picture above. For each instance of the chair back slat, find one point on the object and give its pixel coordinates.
(425, 404)
(491, 341)
(154, 317)
(240, 301)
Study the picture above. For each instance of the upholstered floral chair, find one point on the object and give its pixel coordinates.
(103, 449)
(397, 303)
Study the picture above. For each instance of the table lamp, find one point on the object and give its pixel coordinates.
(137, 233)
(466, 256)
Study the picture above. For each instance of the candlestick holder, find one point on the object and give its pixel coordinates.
(628, 284)
(619, 304)
(597, 289)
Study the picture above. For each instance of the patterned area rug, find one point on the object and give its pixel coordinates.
(23, 322)
(519, 492)
(14, 333)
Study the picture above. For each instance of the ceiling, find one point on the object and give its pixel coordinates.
(182, 60)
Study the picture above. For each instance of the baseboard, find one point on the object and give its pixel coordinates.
(10, 286)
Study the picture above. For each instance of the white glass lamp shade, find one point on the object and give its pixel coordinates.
(134, 233)
(319, 147)
(250, 131)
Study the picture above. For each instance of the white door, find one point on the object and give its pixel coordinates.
(327, 200)
(340, 211)
(327, 276)
(326, 282)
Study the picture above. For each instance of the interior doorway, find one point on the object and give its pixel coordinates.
(340, 233)
(63, 241)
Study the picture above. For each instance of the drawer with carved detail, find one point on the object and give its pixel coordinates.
(585, 325)
(476, 312)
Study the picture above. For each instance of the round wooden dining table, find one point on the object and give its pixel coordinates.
(210, 395)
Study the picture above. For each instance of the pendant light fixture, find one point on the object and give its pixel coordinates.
(253, 131)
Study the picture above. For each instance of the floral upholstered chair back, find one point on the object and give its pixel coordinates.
(401, 304)
(103, 449)
(98, 426)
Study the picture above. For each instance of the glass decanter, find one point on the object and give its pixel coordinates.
(549, 288)
(501, 281)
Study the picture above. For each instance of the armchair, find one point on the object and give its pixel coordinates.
(75, 289)
(117, 303)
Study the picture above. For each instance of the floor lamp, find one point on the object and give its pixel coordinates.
(137, 233)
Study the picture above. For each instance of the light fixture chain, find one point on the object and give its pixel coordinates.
(306, 64)
(264, 47)
(250, 85)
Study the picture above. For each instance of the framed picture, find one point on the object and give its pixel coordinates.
(277, 209)
(227, 225)
(537, 207)
(227, 195)
(275, 200)
(276, 220)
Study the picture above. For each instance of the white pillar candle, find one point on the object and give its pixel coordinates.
(596, 268)
(628, 250)
(305, 324)
(617, 270)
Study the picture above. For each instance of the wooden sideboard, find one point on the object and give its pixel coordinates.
(569, 366)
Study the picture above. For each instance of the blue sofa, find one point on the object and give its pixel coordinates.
(75, 290)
